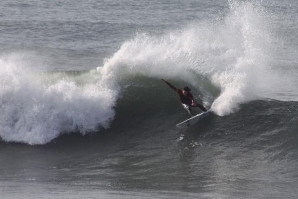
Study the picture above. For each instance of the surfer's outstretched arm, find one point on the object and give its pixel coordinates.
(170, 85)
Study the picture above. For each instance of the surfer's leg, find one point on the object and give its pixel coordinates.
(188, 109)
(201, 107)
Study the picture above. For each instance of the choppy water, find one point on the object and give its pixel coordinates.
(84, 113)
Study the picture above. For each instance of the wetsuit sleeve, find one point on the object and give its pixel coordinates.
(171, 86)
(197, 104)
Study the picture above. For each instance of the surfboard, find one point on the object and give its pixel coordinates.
(191, 121)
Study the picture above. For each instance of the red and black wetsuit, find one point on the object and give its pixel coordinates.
(185, 99)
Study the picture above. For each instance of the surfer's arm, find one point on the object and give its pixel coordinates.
(170, 85)
(190, 96)
(193, 103)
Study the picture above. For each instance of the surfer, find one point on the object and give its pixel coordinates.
(186, 98)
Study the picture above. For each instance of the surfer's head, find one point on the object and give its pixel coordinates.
(186, 89)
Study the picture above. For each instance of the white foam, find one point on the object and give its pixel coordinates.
(234, 52)
(36, 112)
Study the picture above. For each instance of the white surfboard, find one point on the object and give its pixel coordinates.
(191, 121)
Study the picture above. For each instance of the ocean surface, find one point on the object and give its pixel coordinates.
(84, 113)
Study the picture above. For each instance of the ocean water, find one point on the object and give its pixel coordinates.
(84, 113)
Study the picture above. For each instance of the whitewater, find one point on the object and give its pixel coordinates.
(84, 113)
(235, 53)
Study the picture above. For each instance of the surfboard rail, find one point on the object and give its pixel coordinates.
(191, 121)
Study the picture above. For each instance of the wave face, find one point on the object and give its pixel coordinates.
(228, 61)
(235, 53)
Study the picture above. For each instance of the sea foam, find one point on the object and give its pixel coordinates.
(36, 112)
(234, 52)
